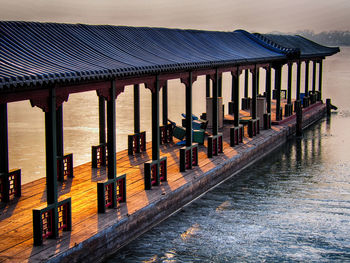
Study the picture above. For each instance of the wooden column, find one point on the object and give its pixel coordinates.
(165, 103)
(102, 119)
(257, 81)
(320, 80)
(307, 78)
(268, 90)
(207, 86)
(215, 128)
(51, 149)
(246, 79)
(4, 160)
(111, 132)
(136, 108)
(220, 86)
(254, 92)
(189, 111)
(235, 97)
(278, 77)
(298, 80)
(290, 68)
(155, 121)
(60, 141)
(314, 76)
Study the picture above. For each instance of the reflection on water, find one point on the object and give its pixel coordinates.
(294, 205)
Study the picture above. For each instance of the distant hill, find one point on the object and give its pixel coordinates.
(328, 38)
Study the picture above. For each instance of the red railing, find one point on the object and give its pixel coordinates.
(10, 185)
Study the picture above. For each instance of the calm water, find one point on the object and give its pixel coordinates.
(292, 206)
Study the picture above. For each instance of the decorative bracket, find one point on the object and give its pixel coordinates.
(43, 101)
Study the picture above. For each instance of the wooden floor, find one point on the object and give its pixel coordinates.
(16, 230)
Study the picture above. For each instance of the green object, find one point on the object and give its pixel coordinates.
(198, 136)
(179, 132)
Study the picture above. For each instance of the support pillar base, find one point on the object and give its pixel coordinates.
(246, 103)
(253, 127)
(155, 172)
(267, 121)
(215, 145)
(188, 157)
(111, 192)
(288, 110)
(136, 143)
(10, 185)
(166, 133)
(236, 135)
(306, 101)
(231, 107)
(99, 155)
(48, 221)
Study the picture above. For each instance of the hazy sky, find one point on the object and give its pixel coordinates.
(257, 15)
